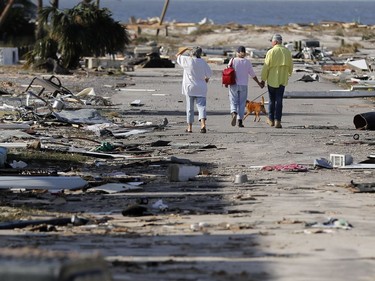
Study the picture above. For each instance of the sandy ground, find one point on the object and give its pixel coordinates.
(215, 229)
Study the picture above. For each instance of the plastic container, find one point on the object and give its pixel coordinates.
(58, 105)
(182, 172)
(240, 178)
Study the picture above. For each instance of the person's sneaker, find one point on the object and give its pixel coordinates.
(234, 119)
(278, 124)
(240, 124)
(270, 122)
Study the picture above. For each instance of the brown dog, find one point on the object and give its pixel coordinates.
(256, 107)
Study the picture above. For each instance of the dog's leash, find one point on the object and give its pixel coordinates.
(260, 95)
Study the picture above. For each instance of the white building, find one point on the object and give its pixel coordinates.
(8, 56)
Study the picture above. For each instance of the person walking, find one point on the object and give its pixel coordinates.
(277, 68)
(194, 85)
(238, 92)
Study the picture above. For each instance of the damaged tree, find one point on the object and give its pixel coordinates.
(84, 30)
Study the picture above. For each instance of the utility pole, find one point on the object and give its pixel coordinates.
(166, 3)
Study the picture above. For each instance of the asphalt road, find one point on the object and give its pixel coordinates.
(268, 228)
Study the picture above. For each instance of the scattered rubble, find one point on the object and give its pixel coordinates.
(127, 177)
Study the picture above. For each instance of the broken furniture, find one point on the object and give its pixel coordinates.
(340, 160)
(51, 85)
(44, 96)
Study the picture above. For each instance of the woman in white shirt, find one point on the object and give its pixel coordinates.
(194, 85)
(238, 92)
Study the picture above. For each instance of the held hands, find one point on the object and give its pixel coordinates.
(261, 84)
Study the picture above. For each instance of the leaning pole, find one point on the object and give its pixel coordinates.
(166, 3)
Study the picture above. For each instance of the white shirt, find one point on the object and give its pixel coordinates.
(196, 70)
(243, 69)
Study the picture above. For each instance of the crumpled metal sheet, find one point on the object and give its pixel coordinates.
(80, 116)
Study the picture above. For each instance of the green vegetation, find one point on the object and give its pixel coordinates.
(84, 30)
(347, 48)
(368, 35)
(11, 213)
(339, 32)
(41, 159)
(203, 29)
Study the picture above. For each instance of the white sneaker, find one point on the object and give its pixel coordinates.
(234, 119)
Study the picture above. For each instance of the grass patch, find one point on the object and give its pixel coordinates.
(339, 32)
(8, 214)
(11, 214)
(347, 49)
(368, 35)
(47, 159)
(202, 30)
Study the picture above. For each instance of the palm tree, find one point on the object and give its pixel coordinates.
(84, 30)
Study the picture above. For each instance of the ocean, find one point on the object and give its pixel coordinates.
(257, 12)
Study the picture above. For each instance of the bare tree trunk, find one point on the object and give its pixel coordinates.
(5, 13)
(97, 3)
(39, 28)
(39, 5)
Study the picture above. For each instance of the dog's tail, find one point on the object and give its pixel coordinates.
(262, 100)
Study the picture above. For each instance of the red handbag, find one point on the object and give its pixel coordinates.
(228, 76)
